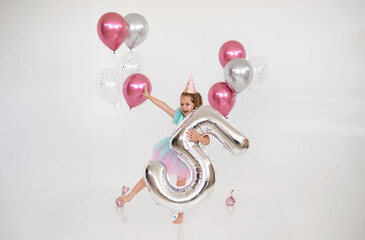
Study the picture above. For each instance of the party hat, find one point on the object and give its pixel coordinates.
(190, 86)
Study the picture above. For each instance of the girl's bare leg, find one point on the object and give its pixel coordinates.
(180, 217)
(120, 201)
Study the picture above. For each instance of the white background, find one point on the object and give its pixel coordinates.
(65, 153)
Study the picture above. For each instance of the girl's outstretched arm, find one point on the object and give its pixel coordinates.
(158, 103)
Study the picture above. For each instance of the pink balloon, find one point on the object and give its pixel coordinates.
(231, 50)
(133, 88)
(222, 98)
(112, 30)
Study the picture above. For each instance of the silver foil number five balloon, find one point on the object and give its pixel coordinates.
(205, 121)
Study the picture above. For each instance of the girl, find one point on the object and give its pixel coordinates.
(189, 100)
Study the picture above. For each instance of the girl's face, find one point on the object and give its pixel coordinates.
(186, 105)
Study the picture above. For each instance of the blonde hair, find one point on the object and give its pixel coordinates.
(196, 98)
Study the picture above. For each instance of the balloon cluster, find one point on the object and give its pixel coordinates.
(113, 31)
(239, 74)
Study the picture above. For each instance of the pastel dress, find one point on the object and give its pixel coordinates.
(164, 154)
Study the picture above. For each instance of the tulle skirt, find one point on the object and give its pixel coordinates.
(173, 164)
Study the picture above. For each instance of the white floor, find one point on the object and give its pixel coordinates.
(91, 214)
(306, 198)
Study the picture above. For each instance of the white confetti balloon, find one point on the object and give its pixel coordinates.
(130, 63)
(259, 67)
(109, 85)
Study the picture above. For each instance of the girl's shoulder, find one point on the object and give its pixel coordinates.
(178, 116)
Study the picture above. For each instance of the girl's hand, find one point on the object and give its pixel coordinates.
(146, 93)
(194, 136)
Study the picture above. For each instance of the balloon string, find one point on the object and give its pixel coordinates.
(122, 140)
(129, 56)
(233, 119)
(114, 57)
(230, 156)
(245, 97)
(230, 171)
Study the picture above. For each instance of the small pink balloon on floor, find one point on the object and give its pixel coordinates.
(222, 98)
(133, 89)
(112, 30)
(230, 201)
(231, 50)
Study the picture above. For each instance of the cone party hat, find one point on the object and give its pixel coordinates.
(190, 86)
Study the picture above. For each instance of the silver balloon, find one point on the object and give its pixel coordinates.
(205, 121)
(109, 85)
(259, 67)
(137, 30)
(131, 63)
(238, 74)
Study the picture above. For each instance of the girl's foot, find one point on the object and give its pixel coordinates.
(179, 219)
(121, 200)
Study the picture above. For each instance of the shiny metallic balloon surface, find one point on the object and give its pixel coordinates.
(204, 120)
(238, 74)
(137, 30)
